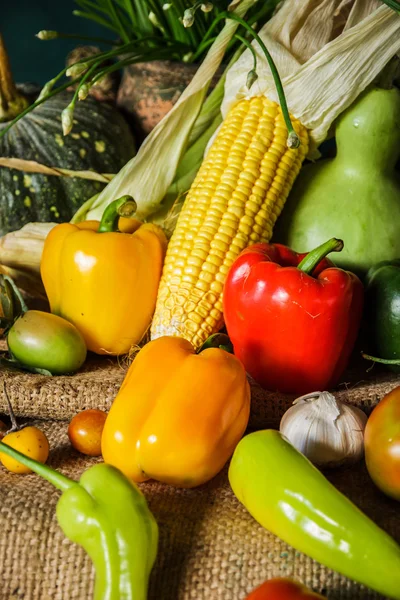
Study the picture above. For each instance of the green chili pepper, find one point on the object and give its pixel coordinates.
(288, 496)
(108, 516)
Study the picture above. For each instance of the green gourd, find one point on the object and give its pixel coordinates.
(356, 195)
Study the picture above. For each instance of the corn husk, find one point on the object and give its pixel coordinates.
(302, 29)
(22, 249)
(322, 71)
(148, 175)
(20, 256)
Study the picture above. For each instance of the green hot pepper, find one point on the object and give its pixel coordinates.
(383, 312)
(288, 496)
(108, 516)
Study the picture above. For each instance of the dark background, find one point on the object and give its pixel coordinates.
(37, 61)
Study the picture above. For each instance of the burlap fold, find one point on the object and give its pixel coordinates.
(97, 384)
(210, 547)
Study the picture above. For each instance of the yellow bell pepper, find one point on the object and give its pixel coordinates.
(178, 415)
(103, 281)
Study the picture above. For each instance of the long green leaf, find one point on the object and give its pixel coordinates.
(393, 5)
(155, 7)
(118, 21)
(176, 28)
(127, 5)
(89, 6)
(144, 24)
(96, 19)
(180, 7)
(125, 18)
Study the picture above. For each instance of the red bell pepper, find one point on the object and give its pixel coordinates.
(283, 589)
(293, 319)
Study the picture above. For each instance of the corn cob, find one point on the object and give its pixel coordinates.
(234, 201)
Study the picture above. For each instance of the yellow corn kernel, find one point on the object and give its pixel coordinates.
(234, 201)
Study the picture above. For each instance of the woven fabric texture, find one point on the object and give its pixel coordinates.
(210, 547)
(96, 385)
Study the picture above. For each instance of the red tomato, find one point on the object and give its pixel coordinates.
(382, 444)
(283, 589)
(85, 431)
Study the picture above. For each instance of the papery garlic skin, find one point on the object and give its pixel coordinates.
(327, 431)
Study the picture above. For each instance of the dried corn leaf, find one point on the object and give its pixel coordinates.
(304, 29)
(22, 249)
(309, 27)
(359, 10)
(31, 166)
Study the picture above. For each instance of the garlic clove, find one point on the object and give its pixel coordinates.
(327, 431)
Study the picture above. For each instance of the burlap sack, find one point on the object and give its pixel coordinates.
(97, 384)
(210, 547)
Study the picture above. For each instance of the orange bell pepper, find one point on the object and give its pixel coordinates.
(178, 415)
(103, 281)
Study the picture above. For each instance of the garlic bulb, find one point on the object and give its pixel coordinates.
(324, 429)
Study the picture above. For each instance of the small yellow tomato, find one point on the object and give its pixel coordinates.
(30, 441)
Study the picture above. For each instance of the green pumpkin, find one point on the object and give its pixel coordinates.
(100, 141)
(356, 195)
(382, 311)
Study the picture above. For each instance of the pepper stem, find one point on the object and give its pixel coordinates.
(122, 207)
(14, 424)
(384, 361)
(217, 340)
(313, 258)
(60, 481)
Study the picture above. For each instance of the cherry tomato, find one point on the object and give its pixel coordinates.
(382, 444)
(85, 431)
(283, 589)
(30, 441)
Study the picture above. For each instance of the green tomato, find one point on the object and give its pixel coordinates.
(45, 341)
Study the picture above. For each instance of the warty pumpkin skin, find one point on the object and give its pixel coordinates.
(100, 141)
